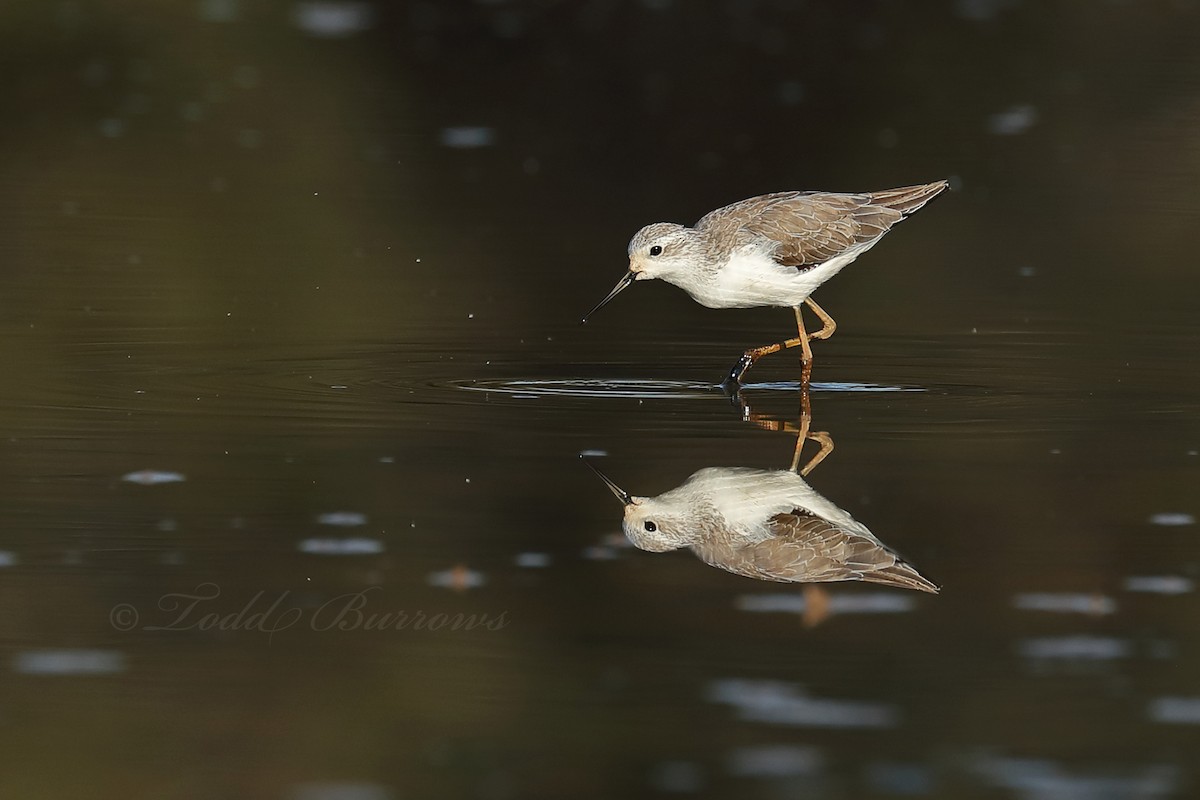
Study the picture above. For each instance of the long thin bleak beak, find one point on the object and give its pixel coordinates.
(621, 494)
(626, 279)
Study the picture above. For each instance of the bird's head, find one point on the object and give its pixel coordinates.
(663, 250)
(650, 523)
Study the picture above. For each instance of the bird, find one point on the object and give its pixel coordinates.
(764, 524)
(770, 250)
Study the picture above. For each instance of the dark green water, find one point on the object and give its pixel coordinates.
(296, 390)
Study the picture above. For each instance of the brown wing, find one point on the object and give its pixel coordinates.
(812, 227)
(807, 548)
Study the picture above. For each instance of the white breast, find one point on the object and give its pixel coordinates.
(751, 278)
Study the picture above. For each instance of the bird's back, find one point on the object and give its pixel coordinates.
(810, 228)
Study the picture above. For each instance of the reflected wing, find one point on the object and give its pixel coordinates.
(807, 548)
(809, 228)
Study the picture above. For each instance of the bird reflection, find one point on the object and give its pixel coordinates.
(765, 524)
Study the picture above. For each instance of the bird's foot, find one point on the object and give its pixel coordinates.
(733, 381)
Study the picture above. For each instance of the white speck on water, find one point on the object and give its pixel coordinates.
(1175, 710)
(468, 480)
(339, 386)
(775, 761)
(167, 525)
(857, 603)
(1054, 451)
(457, 578)
(342, 519)
(783, 703)
(1027, 271)
(598, 552)
(1012, 121)
(387, 459)
(1065, 602)
(593, 453)
(7, 558)
(69, 662)
(153, 477)
(1172, 519)
(341, 547)
(1075, 648)
(470, 316)
(468, 137)
(332, 19)
(418, 261)
(1159, 584)
(532, 560)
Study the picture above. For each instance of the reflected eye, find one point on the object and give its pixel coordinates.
(650, 527)
(656, 250)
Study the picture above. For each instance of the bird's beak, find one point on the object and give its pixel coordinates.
(621, 494)
(626, 279)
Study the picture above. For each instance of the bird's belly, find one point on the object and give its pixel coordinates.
(751, 279)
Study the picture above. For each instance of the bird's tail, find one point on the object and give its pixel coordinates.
(908, 199)
(902, 575)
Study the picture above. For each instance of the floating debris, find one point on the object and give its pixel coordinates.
(783, 703)
(1175, 710)
(1159, 584)
(775, 761)
(599, 552)
(331, 19)
(69, 662)
(459, 578)
(341, 547)
(465, 137)
(1038, 778)
(1013, 121)
(1075, 648)
(1172, 519)
(841, 603)
(8, 558)
(533, 560)
(152, 477)
(342, 519)
(1066, 603)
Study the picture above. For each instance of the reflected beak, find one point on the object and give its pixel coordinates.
(626, 279)
(621, 494)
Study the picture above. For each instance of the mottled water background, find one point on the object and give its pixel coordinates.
(289, 301)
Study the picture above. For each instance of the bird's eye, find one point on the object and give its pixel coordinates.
(650, 527)
(656, 250)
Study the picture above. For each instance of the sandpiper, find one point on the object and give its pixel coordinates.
(772, 250)
(764, 524)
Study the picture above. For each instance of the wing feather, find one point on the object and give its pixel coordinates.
(809, 228)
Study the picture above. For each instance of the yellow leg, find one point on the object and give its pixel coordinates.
(828, 326)
(751, 356)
